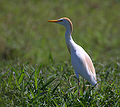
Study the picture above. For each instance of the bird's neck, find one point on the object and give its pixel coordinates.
(68, 38)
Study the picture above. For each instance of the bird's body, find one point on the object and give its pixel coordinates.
(81, 66)
(80, 60)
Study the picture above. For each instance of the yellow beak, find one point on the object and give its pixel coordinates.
(54, 20)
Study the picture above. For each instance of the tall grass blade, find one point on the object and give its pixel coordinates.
(56, 87)
(36, 79)
(10, 77)
(21, 78)
(48, 82)
(29, 79)
(1, 76)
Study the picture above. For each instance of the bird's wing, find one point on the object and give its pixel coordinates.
(82, 64)
(89, 64)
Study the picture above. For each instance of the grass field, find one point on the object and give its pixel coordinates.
(35, 68)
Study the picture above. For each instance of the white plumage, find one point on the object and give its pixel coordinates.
(80, 60)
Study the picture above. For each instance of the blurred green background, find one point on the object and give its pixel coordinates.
(25, 33)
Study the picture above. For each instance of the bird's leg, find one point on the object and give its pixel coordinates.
(77, 75)
(83, 85)
(78, 87)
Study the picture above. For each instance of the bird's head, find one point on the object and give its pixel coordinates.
(66, 22)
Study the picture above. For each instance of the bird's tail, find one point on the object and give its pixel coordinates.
(93, 81)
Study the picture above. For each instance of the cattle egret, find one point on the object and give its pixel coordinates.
(80, 60)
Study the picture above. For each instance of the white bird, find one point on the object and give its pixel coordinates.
(80, 60)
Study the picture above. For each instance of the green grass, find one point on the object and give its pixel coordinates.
(56, 85)
(35, 68)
